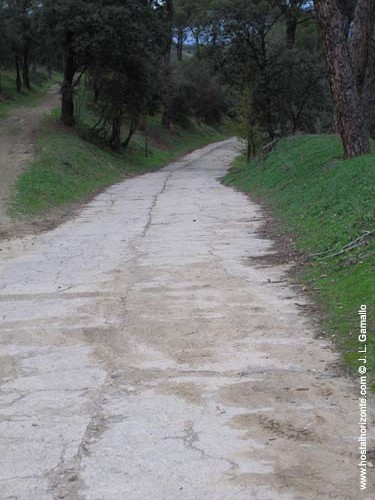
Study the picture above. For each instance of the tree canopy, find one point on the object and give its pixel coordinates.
(202, 60)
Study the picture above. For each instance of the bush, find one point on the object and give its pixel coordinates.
(196, 95)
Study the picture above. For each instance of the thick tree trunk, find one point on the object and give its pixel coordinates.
(67, 89)
(350, 120)
(18, 74)
(363, 26)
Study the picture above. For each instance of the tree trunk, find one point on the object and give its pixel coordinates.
(196, 34)
(166, 120)
(214, 35)
(363, 25)
(166, 117)
(269, 120)
(180, 42)
(291, 28)
(18, 74)
(26, 68)
(350, 120)
(248, 145)
(97, 88)
(67, 89)
(132, 129)
(116, 131)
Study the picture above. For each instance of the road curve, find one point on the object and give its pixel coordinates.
(145, 356)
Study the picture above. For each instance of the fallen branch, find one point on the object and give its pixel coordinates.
(358, 242)
(268, 148)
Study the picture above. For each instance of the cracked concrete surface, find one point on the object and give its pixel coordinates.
(143, 358)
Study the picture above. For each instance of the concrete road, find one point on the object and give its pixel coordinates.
(145, 356)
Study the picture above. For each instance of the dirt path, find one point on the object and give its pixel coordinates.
(17, 146)
(144, 357)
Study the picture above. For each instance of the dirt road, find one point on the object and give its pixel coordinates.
(145, 356)
(18, 134)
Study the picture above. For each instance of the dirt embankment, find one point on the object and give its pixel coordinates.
(18, 138)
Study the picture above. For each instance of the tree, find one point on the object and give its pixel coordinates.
(197, 94)
(252, 49)
(181, 20)
(346, 59)
(118, 45)
(247, 126)
(295, 12)
(75, 26)
(168, 16)
(362, 30)
(124, 70)
(20, 33)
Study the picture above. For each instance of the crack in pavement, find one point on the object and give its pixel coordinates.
(154, 203)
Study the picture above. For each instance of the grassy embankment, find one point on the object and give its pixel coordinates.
(69, 168)
(10, 98)
(325, 203)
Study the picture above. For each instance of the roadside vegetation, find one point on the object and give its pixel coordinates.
(10, 98)
(326, 203)
(70, 167)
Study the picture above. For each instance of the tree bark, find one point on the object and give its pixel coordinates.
(26, 68)
(350, 119)
(166, 117)
(269, 120)
(18, 74)
(291, 28)
(67, 88)
(196, 34)
(291, 11)
(363, 26)
(132, 129)
(116, 131)
(180, 43)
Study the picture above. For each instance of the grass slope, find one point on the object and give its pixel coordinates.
(10, 98)
(325, 202)
(68, 168)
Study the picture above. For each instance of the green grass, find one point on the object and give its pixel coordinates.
(68, 168)
(10, 98)
(325, 202)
